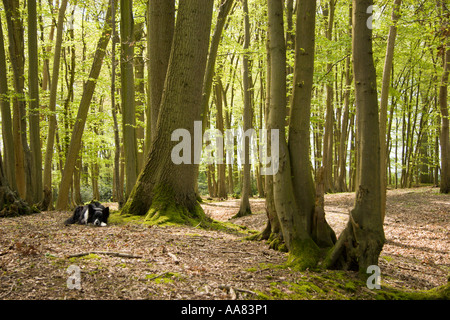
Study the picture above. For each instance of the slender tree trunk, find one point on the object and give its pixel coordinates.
(445, 137)
(360, 244)
(165, 191)
(35, 137)
(128, 93)
(52, 104)
(299, 132)
(244, 208)
(384, 100)
(293, 220)
(221, 167)
(7, 133)
(88, 91)
(117, 183)
(329, 119)
(14, 22)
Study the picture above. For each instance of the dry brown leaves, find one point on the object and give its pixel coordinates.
(190, 263)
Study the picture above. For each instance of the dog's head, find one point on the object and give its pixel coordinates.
(98, 214)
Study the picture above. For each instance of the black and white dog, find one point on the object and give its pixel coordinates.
(94, 213)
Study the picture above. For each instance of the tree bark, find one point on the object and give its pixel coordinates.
(445, 137)
(128, 93)
(33, 72)
(10, 202)
(165, 191)
(88, 91)
(160, 28)
(294, 223)
(361, 242)
(7, 133)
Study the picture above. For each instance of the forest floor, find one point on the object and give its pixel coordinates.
(136, 261)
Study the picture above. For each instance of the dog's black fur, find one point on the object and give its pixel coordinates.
(94, 213)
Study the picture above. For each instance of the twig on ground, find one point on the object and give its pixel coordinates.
(107, 253)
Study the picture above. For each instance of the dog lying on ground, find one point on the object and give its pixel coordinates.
(93, 212)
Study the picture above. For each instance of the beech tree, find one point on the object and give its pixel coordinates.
(165, 191)
(360, 244)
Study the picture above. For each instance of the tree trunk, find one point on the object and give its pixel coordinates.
(117, 182)
(221, 165)
(14, 22)
(88, 91)
(445, 138)
(33, 72)
(360, 244)
(10, 203)
(293, 221)
(127, 94)
(329, 118)
(244, 208)
(52, 104)
(384, 101)
(160, 28)
(299, 132)
(7, 133)
(165, 191)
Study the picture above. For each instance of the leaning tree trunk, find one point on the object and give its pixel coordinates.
(361, 242)
(77, 134)
(165, 191)
(384, 157)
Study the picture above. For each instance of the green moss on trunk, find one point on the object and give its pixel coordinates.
(303, 254)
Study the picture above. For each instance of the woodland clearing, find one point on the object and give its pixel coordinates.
(136, 261)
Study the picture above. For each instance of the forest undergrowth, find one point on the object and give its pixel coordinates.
(138, 261)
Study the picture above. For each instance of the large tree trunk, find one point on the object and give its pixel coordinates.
(165, 191)
(160, 28)
(77, 134)
(360, 244)
(384, 101)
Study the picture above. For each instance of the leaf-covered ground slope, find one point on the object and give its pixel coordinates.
(145, 262)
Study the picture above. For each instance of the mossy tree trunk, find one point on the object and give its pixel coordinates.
(10, 202)
(165, 191)
(361, 242)
(293, 215)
